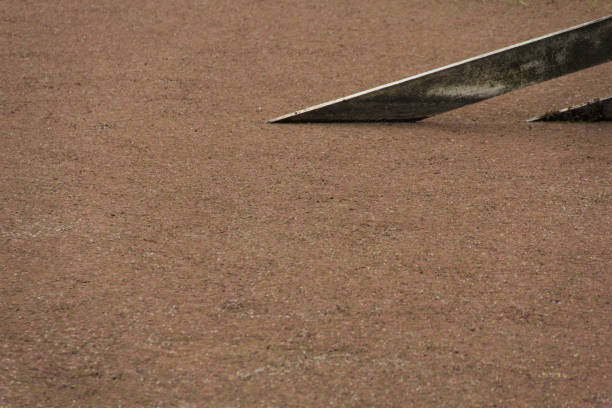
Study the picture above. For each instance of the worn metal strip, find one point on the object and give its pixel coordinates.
(473, 80)
(598, 110)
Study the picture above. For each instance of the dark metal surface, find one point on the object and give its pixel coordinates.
(595, 111)
(472, 80)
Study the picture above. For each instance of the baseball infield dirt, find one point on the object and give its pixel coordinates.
(162, 246)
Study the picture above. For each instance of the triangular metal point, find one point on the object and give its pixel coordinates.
(598, 110)
(473, 80)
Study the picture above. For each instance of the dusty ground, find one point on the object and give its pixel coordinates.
(162, 246)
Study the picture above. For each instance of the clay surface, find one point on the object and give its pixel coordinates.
(162, 246)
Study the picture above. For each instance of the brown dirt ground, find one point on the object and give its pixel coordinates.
(162, 246)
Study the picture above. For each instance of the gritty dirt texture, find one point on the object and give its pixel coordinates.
(162, 246)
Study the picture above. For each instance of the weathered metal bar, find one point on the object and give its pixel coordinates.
(473, 80)
(598, 110)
